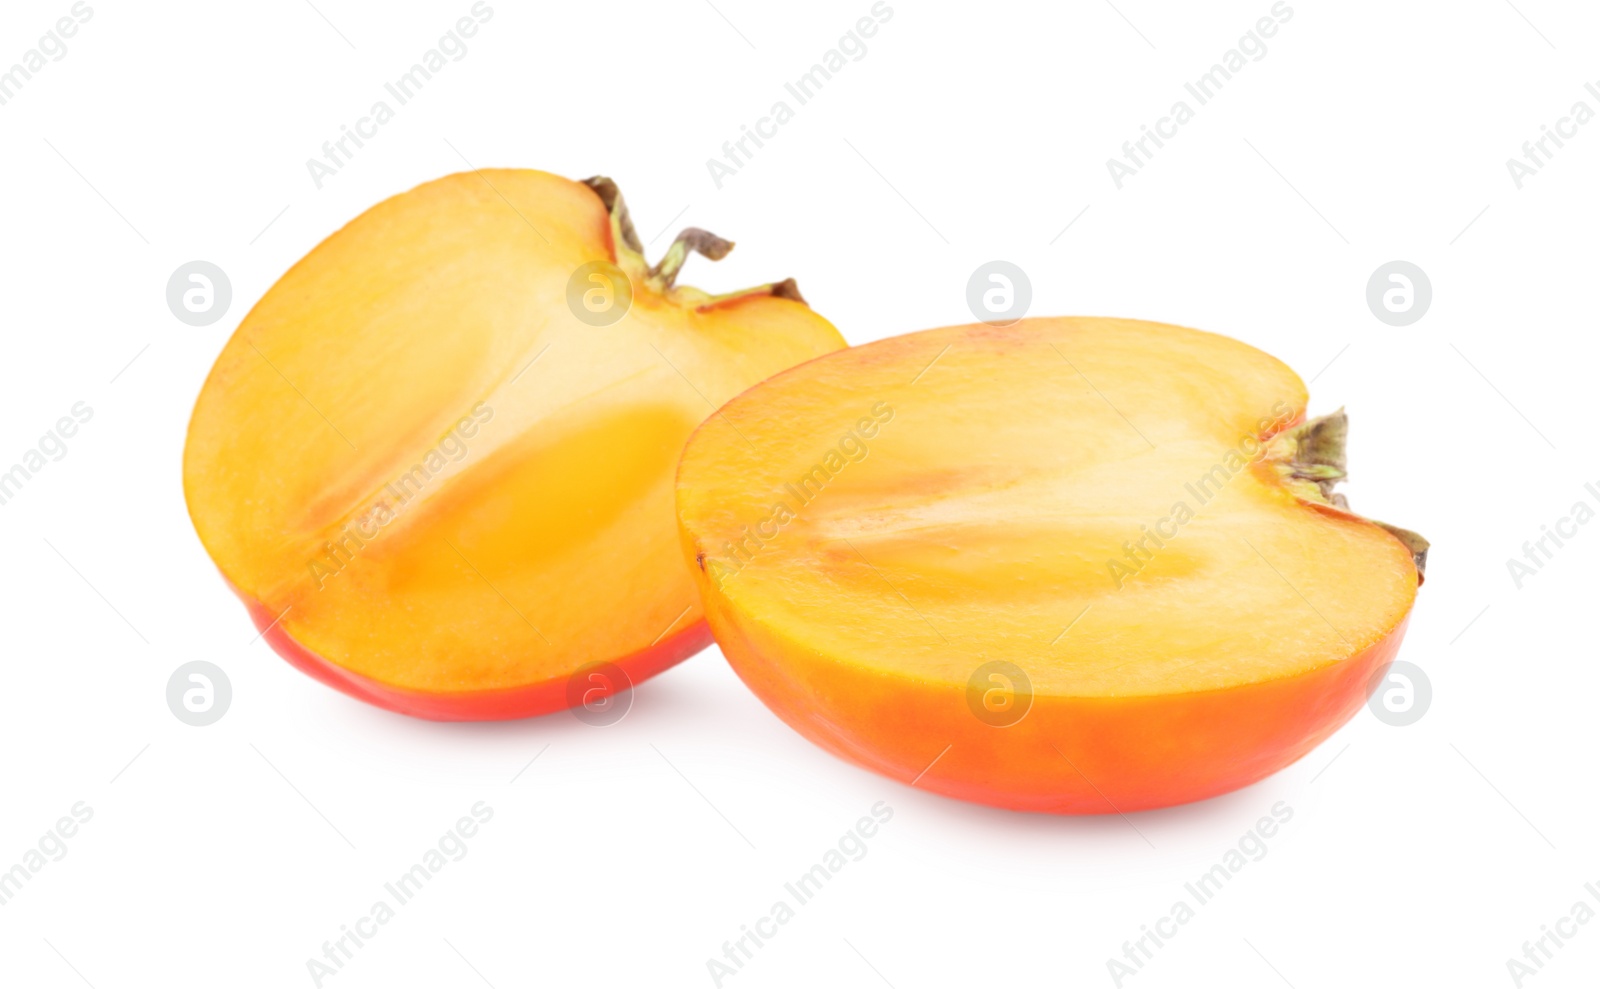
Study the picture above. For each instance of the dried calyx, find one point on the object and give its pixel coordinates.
(1311, 460)
(662, 277)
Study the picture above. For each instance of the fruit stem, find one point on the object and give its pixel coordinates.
(625, 239)
(1310, 458)
(663, 277)
(691, 239)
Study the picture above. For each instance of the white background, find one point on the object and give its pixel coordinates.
(627, 855)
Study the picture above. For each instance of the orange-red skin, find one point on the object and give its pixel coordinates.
(545, 697)
(1068, 755)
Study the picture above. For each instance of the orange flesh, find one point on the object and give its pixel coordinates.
(421, 369)
(987, 520)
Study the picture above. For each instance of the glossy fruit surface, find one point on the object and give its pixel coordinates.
(1069, 565)
(436, 458)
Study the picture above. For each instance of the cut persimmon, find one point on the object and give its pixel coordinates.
(436, 459)
(1067, 565)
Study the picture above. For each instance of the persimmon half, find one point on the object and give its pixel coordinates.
(436, 459)
(1068, 565)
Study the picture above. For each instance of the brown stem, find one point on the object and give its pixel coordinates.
(611, 198)
(1311, 460)
(662, 278)
(701, 242)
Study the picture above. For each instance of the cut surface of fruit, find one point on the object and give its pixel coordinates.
(436, 458)
(1092, 561)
